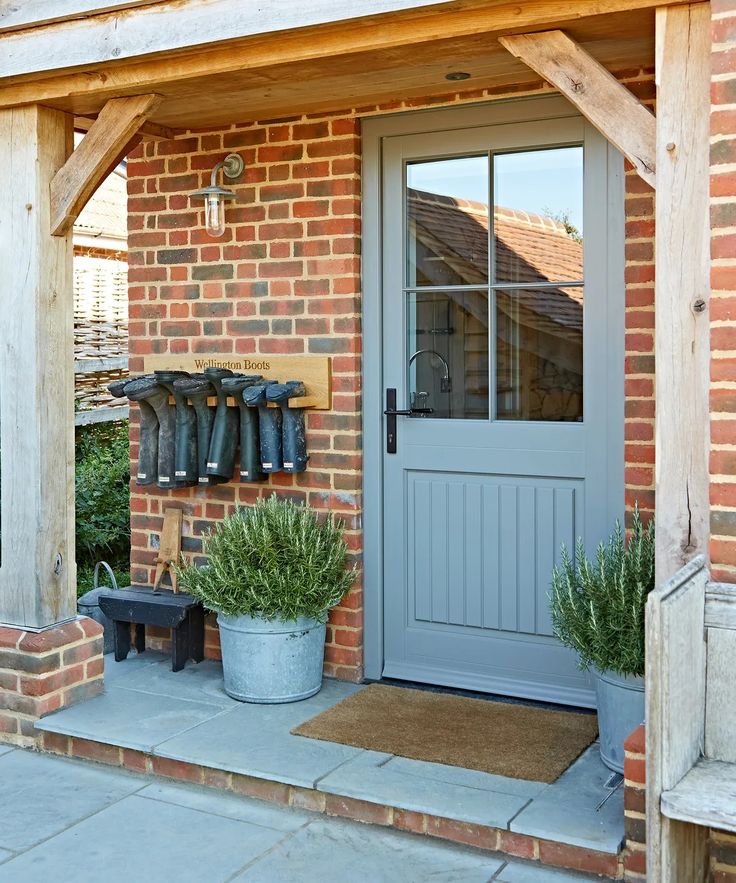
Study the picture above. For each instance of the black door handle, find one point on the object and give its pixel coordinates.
(392, 412)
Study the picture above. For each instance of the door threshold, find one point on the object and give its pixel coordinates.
(475, 694)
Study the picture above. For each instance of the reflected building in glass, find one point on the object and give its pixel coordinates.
(507, 317)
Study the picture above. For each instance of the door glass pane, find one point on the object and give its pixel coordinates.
(448, 353)
(539, 354)
(447, 222)
(538, 216)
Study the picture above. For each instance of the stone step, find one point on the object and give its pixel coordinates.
(183, 726)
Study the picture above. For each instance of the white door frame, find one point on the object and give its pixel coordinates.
(374, 130)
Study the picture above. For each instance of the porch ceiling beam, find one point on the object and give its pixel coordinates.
(596, 93)
(148, 131)
(172, 27)
(105, 144)
(144, 49)
(33, 13)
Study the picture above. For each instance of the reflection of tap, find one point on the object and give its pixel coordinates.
(445, 383)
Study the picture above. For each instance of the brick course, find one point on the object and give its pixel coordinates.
(635, 857)
(723, 292)
(285, 278)
(41, 672)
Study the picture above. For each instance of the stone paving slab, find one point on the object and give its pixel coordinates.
(5, 749)
(372, 776)
(41, 795)
(194, 683)
(138, 839)
(130, 718)
(455, 775)
(115, 671)
(367, 853)
(117, 826)
(524, 872)
(231, 806)
(255, 740)
(566, 810)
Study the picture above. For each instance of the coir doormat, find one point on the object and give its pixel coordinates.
(518, 741)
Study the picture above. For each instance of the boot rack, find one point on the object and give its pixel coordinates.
(189, 437)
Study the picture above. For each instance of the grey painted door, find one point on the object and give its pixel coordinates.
(496, 337)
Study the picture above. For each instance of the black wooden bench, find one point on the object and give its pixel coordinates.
(142, 606)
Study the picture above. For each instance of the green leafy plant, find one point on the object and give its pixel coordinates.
(276, 561)
(103, 500)
(598, 606)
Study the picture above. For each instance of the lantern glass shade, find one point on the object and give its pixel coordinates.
(214, 214)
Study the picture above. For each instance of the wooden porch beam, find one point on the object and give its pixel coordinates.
(144, 49)
(596, 93)
(34, 13)
(105, 144)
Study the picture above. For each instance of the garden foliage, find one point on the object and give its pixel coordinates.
(103, 500)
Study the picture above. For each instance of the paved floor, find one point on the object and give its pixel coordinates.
(187, 716)
(66, 820)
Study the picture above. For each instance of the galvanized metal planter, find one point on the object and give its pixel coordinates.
(620, 701)
(271, 661)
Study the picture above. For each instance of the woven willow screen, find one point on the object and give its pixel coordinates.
(100, 323)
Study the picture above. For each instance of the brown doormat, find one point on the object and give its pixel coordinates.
(495, 737)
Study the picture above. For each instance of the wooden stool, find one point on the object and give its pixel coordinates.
(143, 606)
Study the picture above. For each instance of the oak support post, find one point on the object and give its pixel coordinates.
(37, 569)
(677, 851)
(682, 336)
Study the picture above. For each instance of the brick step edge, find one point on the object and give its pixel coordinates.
(545, 852)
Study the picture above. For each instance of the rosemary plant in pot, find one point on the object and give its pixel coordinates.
(598, 610)
(273, 572)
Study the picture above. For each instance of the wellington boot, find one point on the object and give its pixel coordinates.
(293, 431)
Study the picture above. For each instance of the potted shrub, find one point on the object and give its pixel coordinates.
(598, 610)
(273, 572)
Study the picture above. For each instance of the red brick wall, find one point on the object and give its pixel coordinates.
(286, 279)
(723, 283)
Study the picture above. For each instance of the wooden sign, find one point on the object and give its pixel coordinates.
(315, 372)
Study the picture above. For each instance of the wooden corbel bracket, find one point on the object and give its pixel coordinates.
(109, 138)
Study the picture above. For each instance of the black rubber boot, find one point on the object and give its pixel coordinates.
(147, 470)
(155, 460)
(185, 440)
(117, 386)
(224, 441)
(250, 445)
(198, 389)
(269, 426)
(293, 431)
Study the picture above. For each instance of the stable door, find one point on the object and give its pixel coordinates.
(499, 375)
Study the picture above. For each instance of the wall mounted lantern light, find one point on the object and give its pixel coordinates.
(214, 196)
